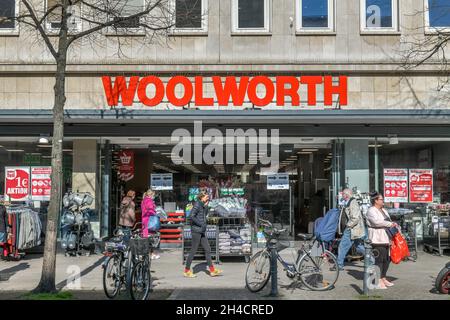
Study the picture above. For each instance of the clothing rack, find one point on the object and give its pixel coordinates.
(24, 230)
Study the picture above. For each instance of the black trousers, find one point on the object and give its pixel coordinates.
(197, 239)
(382, 259)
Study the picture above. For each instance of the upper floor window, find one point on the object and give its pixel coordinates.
(379, 15)
(251, 15)
(53, 22)
(315, 15)
(437, 15)
(128, 8)
(8, 9)
(190, 15)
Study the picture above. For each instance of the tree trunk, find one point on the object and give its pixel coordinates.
(47, 282)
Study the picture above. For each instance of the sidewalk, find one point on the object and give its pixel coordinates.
(413, 280)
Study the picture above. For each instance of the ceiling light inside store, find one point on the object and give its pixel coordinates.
(161, 167)
(15, 150)
(43, 140)
(310, 150)
(288, 150)
(44, 145)
(304, 152)
(373, 146)
(155, 151)
(393, 140)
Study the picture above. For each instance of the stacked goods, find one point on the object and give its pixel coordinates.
(224, 243)
(229, 207)
(171, 229)
(235, 242)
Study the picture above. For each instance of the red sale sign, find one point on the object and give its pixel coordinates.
(16, 183)
(41, 183)
(421, 185)
(396, 185)
(126, 165)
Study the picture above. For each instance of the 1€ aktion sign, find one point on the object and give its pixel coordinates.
(41, 183)
(17, 183)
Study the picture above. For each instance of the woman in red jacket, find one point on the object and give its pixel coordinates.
(148, 209)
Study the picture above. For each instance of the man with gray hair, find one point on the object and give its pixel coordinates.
(351, 226)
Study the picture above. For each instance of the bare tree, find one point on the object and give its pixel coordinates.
(428, 46)
(59, 24)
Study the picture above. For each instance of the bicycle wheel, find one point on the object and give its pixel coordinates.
(258, 271)
(318, 273)
(111, 276)
(140, 284)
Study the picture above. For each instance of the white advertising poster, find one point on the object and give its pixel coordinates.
(41, 183)
(279, 181)
(161, 181)
(396, 185)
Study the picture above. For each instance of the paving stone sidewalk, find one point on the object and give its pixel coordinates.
(413, 280)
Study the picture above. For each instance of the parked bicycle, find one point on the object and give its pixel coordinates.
(128, 265)
(314, 265)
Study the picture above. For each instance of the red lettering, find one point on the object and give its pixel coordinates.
(188, 91)
(230, 90)
(199, 99)
(159, 91)
(341, 90)
(312, 82)
(120, 89)
(292, 92)
(269, 92)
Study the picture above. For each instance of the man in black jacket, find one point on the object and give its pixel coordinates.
(198, 230)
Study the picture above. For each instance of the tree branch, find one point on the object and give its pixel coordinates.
(38, 26)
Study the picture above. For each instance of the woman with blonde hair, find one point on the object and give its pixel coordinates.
(148, 209)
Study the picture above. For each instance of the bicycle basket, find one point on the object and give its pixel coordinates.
(140, 246)
(282, 244)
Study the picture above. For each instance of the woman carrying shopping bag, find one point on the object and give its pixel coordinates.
(198, 230)
(379, 226)
(148, 209)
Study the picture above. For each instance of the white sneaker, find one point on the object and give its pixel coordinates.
(155, 257)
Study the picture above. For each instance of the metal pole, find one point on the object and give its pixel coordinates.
(376, 165)
(290, 211)
(367, 264)
(273, 270)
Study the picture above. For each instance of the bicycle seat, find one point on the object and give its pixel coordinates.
(305, 236)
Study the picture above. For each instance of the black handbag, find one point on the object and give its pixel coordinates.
(392, 231)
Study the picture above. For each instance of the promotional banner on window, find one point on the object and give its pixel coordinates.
(126, 165)
(17, 183)
(396, 185)
(278, 181)
(41, 183)
(421, 185)
(161, 181)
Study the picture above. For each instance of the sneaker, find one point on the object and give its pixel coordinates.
(215, 273)
(379, 287)
(333, 268)
(189, 274)
(155, 257)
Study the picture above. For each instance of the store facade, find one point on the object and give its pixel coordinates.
(340, 107)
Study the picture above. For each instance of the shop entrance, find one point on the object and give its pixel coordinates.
(307, 196)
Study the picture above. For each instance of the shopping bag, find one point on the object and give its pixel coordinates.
(399, 249)
(154, 224)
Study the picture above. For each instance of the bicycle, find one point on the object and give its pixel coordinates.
(115, 267)
(128, 265)
(139, 276)
(315, 269)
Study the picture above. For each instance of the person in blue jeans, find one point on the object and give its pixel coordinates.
(351, 221)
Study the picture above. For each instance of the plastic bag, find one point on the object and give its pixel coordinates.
(399, 249)
(153, 224)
